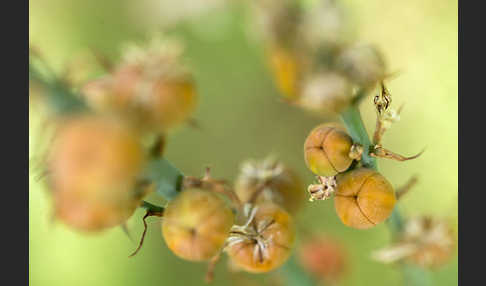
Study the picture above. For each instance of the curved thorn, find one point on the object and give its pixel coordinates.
(143, 235)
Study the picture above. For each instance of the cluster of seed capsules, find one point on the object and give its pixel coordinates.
(97, 163)
(314, 63)
(98, 160)
(318, 67)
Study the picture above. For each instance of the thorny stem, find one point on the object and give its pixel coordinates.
(351, 117)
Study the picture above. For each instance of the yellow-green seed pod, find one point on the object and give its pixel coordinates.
(363, 198)
(326, 150)
(196, 224)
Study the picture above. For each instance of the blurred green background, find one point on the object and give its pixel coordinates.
(242, 117)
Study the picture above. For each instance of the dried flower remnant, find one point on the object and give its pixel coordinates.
(326, 92)
(277, 21)
(324, 25)
(385, 117)
(270, 180)
(324, 190)
(363, 64)
(425, 241)
(263, 242)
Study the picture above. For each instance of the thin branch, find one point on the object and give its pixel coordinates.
(149, 212)
(211, 266)
(405, 188)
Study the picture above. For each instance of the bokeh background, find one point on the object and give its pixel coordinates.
(241, 117)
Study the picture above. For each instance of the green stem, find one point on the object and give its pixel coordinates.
(413, 275)
(354, 124)
(58, 94)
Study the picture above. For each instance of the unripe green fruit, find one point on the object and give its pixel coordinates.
(326, 150)
(363, 198)
(196, 224)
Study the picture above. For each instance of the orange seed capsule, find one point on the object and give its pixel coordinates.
(93, 167)
(363, 198)
(326, 150)
(196, 224)
(264, 242)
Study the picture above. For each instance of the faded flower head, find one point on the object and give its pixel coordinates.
(425, 241)
(363, 64)
(160, 57)
(323, 190)
(275, 182)
(277, 20)
(264, 241)
(326, 92)
(324, 24)
(151, 86)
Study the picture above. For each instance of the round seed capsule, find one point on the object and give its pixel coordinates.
(326, 150)
(196, 224)
(93, 167)
(264, 242)
(363, 198)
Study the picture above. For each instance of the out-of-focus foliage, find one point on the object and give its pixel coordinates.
(241, 116)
